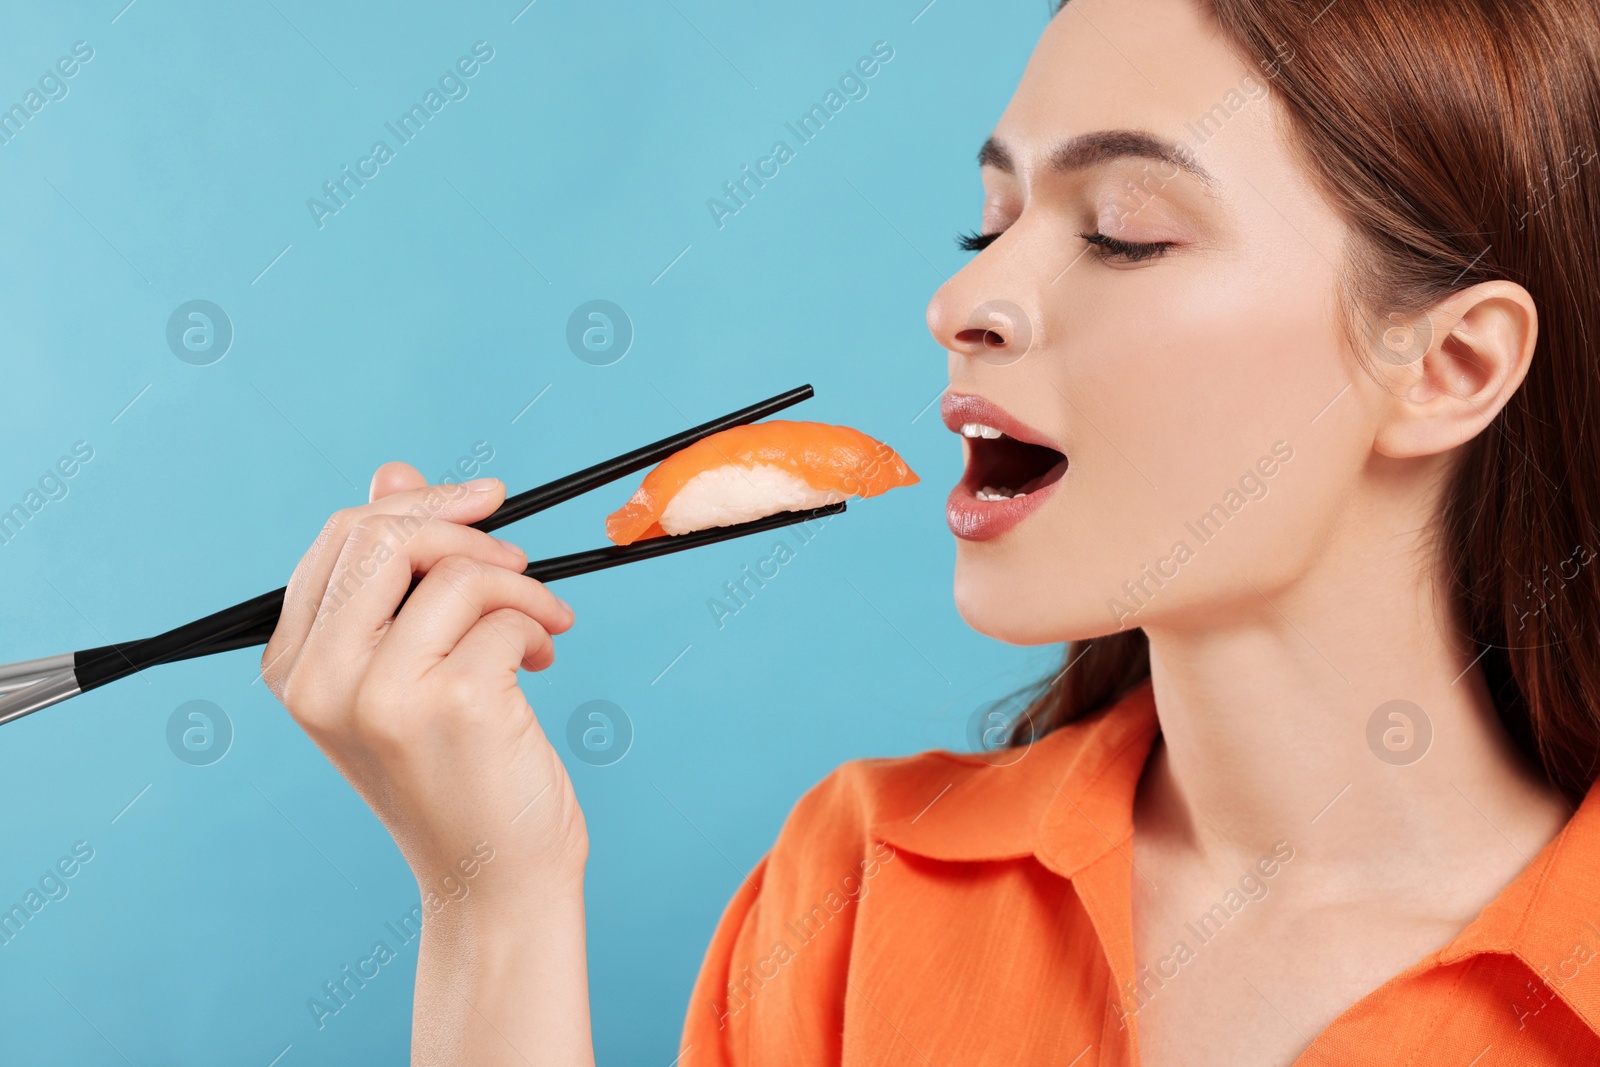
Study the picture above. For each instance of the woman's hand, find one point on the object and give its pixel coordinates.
(422, 714)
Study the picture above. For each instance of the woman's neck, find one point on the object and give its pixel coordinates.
(1267, 734)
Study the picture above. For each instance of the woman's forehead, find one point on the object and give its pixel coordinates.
(1150, 65)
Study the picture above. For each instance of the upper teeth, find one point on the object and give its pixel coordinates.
(978, 429)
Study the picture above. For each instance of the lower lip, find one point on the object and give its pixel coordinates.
(972, 519)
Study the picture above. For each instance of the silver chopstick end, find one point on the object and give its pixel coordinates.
(14, 676)
(41, 694)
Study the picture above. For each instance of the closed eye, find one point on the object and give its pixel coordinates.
(1131, 251)
(1110, 247)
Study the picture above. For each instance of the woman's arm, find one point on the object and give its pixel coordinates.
(424, 717)
(508, 989)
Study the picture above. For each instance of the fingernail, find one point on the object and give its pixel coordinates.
(514, 549)
(564, 604)
(482, 485)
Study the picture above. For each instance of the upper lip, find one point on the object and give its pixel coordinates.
(957, 409)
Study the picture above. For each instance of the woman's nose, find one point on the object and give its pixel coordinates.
(976, 312)
(995, 330)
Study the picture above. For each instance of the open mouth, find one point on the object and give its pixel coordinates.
(1000, 467)
(1011, 469)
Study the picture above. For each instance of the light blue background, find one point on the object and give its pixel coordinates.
(413, 324)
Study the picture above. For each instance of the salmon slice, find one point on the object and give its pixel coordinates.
(753, 471)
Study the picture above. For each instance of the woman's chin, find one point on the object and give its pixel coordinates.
(1007, 611)
(1013, 605)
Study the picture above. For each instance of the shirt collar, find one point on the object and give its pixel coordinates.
(1067, 799)
(1549, 916)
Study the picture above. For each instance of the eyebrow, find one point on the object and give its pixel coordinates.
(1103, 146)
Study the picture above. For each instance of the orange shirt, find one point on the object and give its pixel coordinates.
(960, 910)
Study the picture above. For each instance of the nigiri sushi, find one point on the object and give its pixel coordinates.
(756, 470)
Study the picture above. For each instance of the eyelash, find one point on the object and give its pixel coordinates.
(1129, 250)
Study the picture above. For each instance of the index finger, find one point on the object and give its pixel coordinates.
(464, 503)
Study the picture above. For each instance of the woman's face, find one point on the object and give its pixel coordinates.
(1192, 382)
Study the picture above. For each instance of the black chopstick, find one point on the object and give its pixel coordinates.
(58, 687)
(599, 559)
(110, 662)
(570, 566)
(109, 669)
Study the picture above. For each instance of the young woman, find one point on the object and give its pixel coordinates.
(1286, 317)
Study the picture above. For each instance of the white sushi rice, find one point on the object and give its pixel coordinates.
(727, 495)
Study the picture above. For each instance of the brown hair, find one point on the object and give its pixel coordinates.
(1458, 140)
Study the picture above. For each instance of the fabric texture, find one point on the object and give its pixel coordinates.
(948, 909)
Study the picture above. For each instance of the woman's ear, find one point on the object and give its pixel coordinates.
(1473, 351)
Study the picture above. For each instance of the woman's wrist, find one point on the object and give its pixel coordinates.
(500, 915)
(500, 983)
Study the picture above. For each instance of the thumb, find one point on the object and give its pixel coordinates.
(394, 477)
(461, 502)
